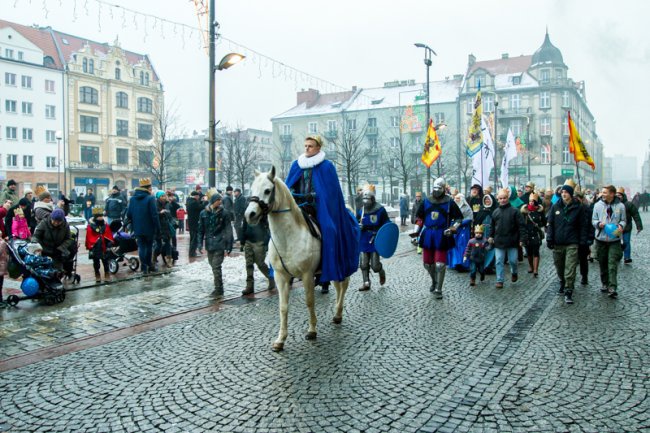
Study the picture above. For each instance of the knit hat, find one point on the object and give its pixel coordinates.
(228, 188)
(23, 202)
(57, 215)
(198, 187)
(145, 182)
(116, 187)
(216, 196)
(11, 182)
(45, 194)
(98, 210)
(28, 191)
(569, 186)
(160, 194)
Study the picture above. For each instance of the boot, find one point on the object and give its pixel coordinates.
(217, 293)
(441, 268)
(169, 261)
(325, 288)
(98, 277)
(271, 284)
(561, 290)
(568, 297)
(107, 276)
(472, 281)
(431, 269)
(249, 290)
(382, 277)
(365, 273)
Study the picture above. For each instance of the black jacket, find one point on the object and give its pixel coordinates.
(567, 224)
(257, 233)
(115, 206)
(508, 227)
(631, 213)
(240, 206)
(194, 208)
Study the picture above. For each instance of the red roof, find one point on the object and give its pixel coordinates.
(40, 37)
(510, 65)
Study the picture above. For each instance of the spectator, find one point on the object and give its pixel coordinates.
(403, 208)
(53, 234)
(115, 205)
(631, 214)
(143, 214)
(9, 192)
(19, 226)
(215, 228)
(43, 207)
(240, 208)
(98, 238)
(194, 208)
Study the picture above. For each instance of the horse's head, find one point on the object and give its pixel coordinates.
(262, 196)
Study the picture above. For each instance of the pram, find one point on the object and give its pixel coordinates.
(70, 264)
(41, 280)
(124, 243)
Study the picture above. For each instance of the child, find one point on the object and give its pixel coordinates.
(19, 226)
(4, 261)
(180, 216)
(475, 252)
(98, 237)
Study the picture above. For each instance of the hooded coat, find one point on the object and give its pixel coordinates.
(143, 214)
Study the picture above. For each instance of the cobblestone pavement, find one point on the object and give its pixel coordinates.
(480, 360)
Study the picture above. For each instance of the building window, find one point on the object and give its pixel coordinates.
(10, 106)
(145, 131)
(12, 160)
(488, 103)
(9, 53)
(50, 162)
(122, 156)
(50, 136)
(21, 55)
(89, 124)
(122, 100)
(10, 79)
(566, 155)
(394, 142)
(118, 74)
(11, 132)
(26, 81)
(84, 65)
(394, 121)
(90, 154)
(312, 127)
(545, 76)
(470, 106)
(145, 105)
(516, 128)
(545, 100)
(545, 154)
(331, 125)
(91, 66)
(372, 144)
(565, 99)
(28, 161)
(372, 122)
(28, 134)
(88, 95)
(50, 111)
(516, 80)
(438, 118)
(559, 75)
(351, 124)
(144, 78)
(49, 86)
(145, 158)
(122, 128)
(565, 128)
(479, 79)
(515, 101)
(27, 108)
(545, 126)
(286, 129)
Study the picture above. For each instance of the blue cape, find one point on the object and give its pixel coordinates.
(455, 255)
(339, 228)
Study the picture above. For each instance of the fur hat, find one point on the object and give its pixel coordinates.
(145, 182)
(98, 210)
(28, 191)
(620, 190)
(369, 190)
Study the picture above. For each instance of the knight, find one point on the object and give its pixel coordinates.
(372, 216)
(440, 217)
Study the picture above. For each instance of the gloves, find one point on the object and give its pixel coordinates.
(64, 253)
(550, 245)
(447, 232)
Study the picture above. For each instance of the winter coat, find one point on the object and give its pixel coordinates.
(600, 215)
(97, 238)
(194, 208)
(228, 205)
(143, 214)
(115, 206)
(54, 240)
(476, 250)
(3, 215)
(508, 227)
(414, 209)
(4, 258)
(631, 213)
(8, 194)
(180, 214)
(165, 220)
(215, 228)
(42, 210)
(404, 206)
(20, 228)
(240, 206)
(535, 222)
(567, 224)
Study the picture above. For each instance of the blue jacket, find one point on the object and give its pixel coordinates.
(143, 214)
(339, 228)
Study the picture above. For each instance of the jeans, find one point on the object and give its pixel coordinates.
(627, 240)
(500, 254)
(145, 250)
(473, 267)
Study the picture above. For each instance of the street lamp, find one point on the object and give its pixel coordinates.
(427, 61)
(59, 136)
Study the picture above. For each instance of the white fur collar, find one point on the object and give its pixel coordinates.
(310, 162)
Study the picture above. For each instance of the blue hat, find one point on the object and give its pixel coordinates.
(58, 215)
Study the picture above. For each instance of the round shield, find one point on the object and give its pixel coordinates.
(386, 240)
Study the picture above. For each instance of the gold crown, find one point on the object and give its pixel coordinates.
(98, 210)
(316, 138)
(145, 181)
(369, 188)
(478, 228)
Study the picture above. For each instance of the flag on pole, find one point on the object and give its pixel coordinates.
(510, 153)
(483, 160)
(432, 149)
(475, 137)
(577, 146)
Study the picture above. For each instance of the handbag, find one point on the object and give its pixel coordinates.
(538, 228)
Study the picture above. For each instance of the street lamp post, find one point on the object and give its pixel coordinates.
(530, 176)
(427, 61)
(59, 136)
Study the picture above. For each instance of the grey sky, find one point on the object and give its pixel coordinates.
(366, 43)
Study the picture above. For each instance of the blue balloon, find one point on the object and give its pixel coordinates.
(29, 286)
(610, 229)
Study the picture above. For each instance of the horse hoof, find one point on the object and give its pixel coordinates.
(278, 347)
(337, 320)
(310, 336)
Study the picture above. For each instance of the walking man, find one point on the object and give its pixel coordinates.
(609, 210)
(215, 228)
(194, 207)
(631, 213)
(240, 208)
(255, 241)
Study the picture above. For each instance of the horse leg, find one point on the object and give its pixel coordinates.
(341, 288)
(308, 283)
(283, 293)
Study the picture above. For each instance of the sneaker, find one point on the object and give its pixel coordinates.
(515, 277)
(499, 285)
(568, 298)
(627, 261)
(612, 293)
(365, 286)
(604, 288)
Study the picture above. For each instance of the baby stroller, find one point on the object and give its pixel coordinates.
(124, 243)
(41, 280)
(70, 264)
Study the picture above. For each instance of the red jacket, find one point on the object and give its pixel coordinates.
(180, 214)
(96, 233)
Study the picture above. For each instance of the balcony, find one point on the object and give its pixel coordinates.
(331, 134)
(80, 165)
(129, 167)
(286, 138)
(520, 112)
(372, 131)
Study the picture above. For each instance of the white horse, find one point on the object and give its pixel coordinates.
(293, 251)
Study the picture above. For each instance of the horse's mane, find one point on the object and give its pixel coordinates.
(282, 187)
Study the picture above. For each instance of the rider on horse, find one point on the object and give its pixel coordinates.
(315, 186)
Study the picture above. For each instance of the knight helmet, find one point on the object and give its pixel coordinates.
(439, 187)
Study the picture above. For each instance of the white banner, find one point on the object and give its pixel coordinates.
(510, 153)
(483, 160)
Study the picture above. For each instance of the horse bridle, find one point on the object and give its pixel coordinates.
(266, 207)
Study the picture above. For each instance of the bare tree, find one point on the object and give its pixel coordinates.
(228, 141)
(351, 154)
(163, 149)
(246, 156)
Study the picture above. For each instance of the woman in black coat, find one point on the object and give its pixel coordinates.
(535, 222)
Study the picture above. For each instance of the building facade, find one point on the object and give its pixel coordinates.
(31, 108)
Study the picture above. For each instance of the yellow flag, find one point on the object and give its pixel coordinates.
(577, 146)
(432, 149)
